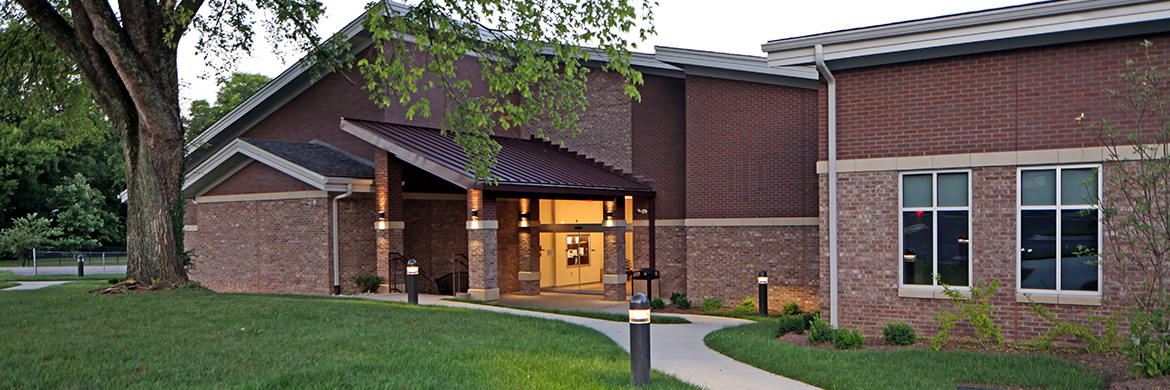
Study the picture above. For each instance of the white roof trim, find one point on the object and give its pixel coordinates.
(253, 153)
(743, 63)
(992, 25)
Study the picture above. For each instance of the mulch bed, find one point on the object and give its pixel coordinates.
(1111, 366)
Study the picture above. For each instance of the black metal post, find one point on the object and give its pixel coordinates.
(80, 265)
(763, 280)
(639, 340)
(412, 282)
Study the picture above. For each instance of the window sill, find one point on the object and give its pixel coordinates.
(929, 292)
(1061, 299)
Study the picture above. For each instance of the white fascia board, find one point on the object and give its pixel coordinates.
(726, 61)
(241, 147)
(1014, 22)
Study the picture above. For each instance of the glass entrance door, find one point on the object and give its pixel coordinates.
(577, 258)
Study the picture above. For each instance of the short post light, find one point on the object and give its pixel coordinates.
(80, 265)
(762, 279)
(639, 340)
(412, 282)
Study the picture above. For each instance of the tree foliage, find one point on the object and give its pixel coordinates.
(1135, 205)
(530, 55)
(232, 91)
(79, 215)
(26, 233)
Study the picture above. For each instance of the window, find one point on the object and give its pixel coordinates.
(1059, 229)
(936, 221)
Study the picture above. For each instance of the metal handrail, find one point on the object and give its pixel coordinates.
(454, 275)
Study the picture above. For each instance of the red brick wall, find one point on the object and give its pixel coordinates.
(750, 150)
(508, 244)
(993, 102)
(279, 246)
(358, 250)
(659, 133)
(605, 125)
(258, 178)
(723, 262)
(869, 258)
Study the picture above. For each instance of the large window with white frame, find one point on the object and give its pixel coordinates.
(936, 225)
(1059, 229)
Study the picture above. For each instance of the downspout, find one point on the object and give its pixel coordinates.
(824, 69)
(336, 263)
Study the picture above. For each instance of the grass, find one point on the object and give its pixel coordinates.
(59, 337)
(8, 276)
(756, 344)
(654, 319)
(4, 285)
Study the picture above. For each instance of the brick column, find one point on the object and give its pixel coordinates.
(614, 277)
(483, 270)
(389, 225)
(530, 248)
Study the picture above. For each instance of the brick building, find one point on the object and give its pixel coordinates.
(803, 164)
(308, 184)
(947, 146)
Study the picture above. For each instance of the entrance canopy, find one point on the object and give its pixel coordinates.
(522, 165)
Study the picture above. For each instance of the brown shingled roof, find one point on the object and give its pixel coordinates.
(522, 165)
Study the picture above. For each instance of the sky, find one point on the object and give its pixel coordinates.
(728, 26)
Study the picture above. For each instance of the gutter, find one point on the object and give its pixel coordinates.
(833, 287)
(336, 270)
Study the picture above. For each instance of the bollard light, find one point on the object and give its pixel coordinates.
(762, 279)
(412, 282)
(639, 340)
(80, 265)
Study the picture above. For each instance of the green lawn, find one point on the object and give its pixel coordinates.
(756, 344)
(58, 337)
(654, 318)
(4, 285)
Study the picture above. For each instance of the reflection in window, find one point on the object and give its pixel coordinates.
(935, 228)
(1059, 235)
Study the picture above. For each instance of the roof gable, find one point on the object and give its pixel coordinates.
(320, 166)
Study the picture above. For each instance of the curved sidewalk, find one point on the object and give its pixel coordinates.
(676, 349)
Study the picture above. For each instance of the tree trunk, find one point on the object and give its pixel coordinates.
(129, 61)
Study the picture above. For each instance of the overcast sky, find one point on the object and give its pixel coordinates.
(729, 26)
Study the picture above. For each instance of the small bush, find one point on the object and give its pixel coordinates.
(712, 304)
(899, 333)
(820, 331)
(369, 283)
(675, 295)
(682, 302)
(657, 303)
(748, 306)
(847, 339)
(797, 324)
(792, 309)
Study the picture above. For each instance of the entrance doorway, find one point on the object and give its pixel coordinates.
(574, 263)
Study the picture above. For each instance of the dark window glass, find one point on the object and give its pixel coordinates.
(953, 247)
(917, 247)
(1078, 245)
(1038, 249)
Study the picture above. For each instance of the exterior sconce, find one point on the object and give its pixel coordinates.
(474, 214)
(609, 219)
(523, 220)
(381, 224)
(910, 256)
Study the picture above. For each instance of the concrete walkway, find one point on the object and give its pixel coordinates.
(676, 349)
(35, 285)
(89, 270)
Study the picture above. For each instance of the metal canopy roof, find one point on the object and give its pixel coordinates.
(522, 165)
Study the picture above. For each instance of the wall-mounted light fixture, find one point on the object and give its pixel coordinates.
(964, 240)
(523, 220)
(609, 219)
(910, 256)
(381, 224)
(474, 214)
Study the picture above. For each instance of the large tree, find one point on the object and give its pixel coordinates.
(530, 51)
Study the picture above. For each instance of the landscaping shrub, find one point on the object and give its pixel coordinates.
(369, 283)
(820, 331)
(680, 301)
(899, 333)
(797, 324)
(712, 304)
(748, 306)
(847, 339)
(657, 303)
(792, 308)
